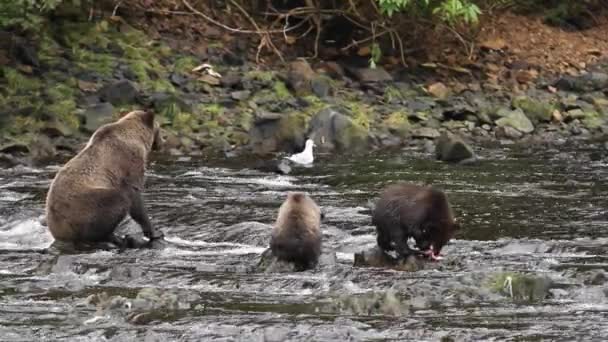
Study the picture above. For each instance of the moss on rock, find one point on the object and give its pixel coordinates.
(536, 110)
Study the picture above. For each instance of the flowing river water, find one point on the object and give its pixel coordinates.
(538, 216)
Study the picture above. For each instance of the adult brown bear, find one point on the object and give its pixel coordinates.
(420, 212)
(296, 236)
(94, 191)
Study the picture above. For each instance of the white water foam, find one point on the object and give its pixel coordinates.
(28, 233)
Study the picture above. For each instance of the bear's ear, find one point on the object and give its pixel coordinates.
(148, 119)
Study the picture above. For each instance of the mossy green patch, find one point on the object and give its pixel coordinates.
(19, 125)
(185, 122)
(593, 120)
(315, 105)
(392, 94)
(17, 83)
(103, 64)
(362, 114)
(184, 65)
(536, 110)
(291, 125)
(397, 122)
(259, 75)
(281, 91)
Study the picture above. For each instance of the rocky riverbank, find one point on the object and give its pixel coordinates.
(56, 91)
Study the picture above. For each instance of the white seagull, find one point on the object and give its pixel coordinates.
(305, 157)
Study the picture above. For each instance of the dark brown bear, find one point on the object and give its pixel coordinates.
(94, 191)
(420, 212)
(296, 236)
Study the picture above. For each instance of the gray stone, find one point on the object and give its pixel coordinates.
(591, 81)
(332, 130)
(231, 80)
(178, 79)
(369, 75)
(425, 132)
(451, 148)
(518, 120)
(96, 115)
(240, 95)
(507, 132)
(320, 87)
(262, 116)
(119, 93)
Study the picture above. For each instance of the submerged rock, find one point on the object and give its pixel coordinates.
(149, 304)
(280, 166)
(370, 303)
(270, 264)
(451, 148)
(376, 257)
(522, 287)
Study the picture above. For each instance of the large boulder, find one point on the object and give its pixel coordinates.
(451, 148)
(591, 81)
(518, 120)
(536, 110)
(285, 132)
(119, 93)
(332, 130)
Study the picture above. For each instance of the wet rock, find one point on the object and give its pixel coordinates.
(211, 80)
(300, 76)
(231, 80)
(438, 90)
(425, 132)
(526, 288)
(96, 115)
(240, 95)
(370, 303)
(42, 150)
(14, 147)
(277, 166)
(269, 264)
(369, 75)
(332, 130)
(25, 52)
(119, 93)
(320, 87)
(591, 81)
(178, 79)
(376, 257)
(262, 116)
(8, 160)
(536, 110)
(598, 277)
(507, 132)
(518, 120)
(451, 148)
(284, 134)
